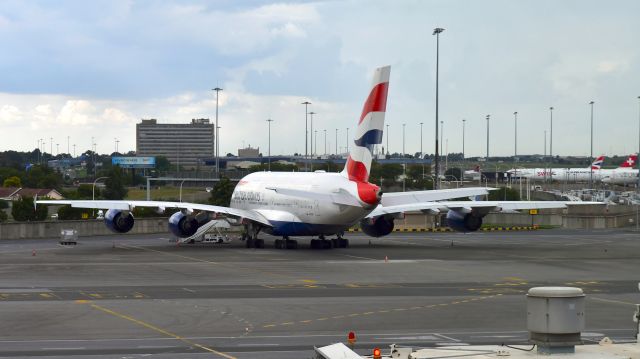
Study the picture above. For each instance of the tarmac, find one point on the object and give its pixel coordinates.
(141, 296)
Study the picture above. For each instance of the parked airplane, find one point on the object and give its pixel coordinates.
(318, 204)
(577, 174)
(625, 174)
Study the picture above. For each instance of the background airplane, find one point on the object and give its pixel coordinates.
(318, 204)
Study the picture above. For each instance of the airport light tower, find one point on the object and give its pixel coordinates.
(217, 133)
(306, 134)
(487, 159)
(437, 32)
(269, 153)
(464, 122)
(591, 153)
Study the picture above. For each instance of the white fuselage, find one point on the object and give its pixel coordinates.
(297, 215)
(562, 174)
(621, 176)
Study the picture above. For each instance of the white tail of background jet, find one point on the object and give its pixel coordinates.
(370, 128)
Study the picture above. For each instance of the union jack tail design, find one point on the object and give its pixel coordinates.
(597, 163)
(370, 128)
(630, 161)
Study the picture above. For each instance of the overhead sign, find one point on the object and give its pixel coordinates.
(134, 162)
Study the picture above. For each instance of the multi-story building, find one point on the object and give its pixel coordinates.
(183, 144)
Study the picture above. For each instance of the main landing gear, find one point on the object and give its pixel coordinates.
(250, 236)
(323, 243)
(286, 243)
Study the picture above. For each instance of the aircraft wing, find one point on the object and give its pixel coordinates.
(402, 198)
(473, 206)
(125, 205)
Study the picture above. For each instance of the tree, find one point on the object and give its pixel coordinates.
(504, 194)
(114, 185)
(221, 193)
(23, 210)
(162, 164)
(13, 181)
(3, 216)
(70, 213)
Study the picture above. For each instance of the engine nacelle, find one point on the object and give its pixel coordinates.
(183, 225)
(377, 227)
(119, 221)
(463, 222)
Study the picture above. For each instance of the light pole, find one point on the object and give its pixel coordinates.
(551, 133)
(306, 135)
(441, 137)
(404, 160)
(515, 139)
(591, 153)
(315, 142)
(68, 145)
(464, 122)
(325, 142)
(347, 141)
(336, 142)
(217, 133)
(269, 153)
(638, 184)
(311, 138)
(421, 154)
(488, 116)
(51, 143)
(74, 150)
(388, 139)
(437, 32)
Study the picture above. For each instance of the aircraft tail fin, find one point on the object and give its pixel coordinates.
(597, 164)
(370, 128)
(630, 162)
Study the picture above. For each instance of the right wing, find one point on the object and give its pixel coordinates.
(126, 205)
(408, 198)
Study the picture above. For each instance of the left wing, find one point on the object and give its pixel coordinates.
(125, 205)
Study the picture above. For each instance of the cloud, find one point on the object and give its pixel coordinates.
(10, 114)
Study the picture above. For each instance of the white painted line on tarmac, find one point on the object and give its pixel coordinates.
(258, 345)
(67, 348)
(446, 337)
(358, 257)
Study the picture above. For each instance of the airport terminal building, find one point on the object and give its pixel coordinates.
(186, 144)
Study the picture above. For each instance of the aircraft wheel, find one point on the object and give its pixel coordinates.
(314, 244)
(278, 243)
(335, 242)
(327, 244)
(343, 243)
(259, 242)
(291, 244)
(249, 242)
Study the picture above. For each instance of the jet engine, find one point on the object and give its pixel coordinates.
(464, 222)
(378, 226)
(185, 225)
(119, 221)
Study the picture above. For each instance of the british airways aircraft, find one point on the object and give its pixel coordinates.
(318, 204)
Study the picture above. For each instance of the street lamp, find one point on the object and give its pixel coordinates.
(441, 137)
(269, 153)
(464, 122)
(315, 142)
(388, 139)
(591, 153)
(311, 138)
(336, 142)
(325, 142)
(421, 154)
(488, 116)
(306, 134)
(347, 141)
(404, 160)
(437, 32)
(551, 133)
(515, 138)
(217, 133)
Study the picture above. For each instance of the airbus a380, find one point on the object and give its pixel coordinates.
(318, 204)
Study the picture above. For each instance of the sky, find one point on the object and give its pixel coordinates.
(83, 69)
